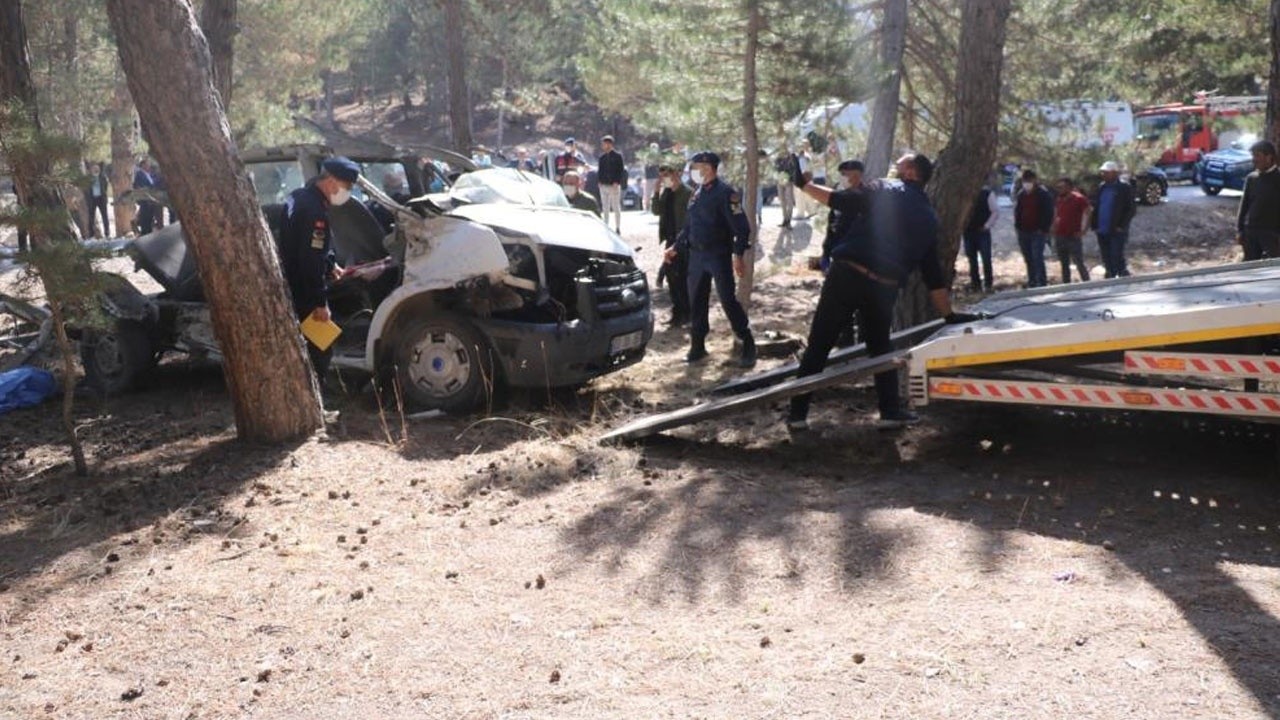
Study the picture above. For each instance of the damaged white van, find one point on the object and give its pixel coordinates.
(452, 294)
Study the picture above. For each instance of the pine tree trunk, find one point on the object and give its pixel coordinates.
(33, 184)
(1272, 131)
(218, 22)
(751, 134)
(168, 66)
(884, 117)
(124, 139)
(966, 161)
(459, 98)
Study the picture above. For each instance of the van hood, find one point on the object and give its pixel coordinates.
(563, 227)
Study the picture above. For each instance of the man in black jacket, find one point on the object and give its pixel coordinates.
(1113, 208)
(612, 175)
(670, 203)
(1032, 218)
(1258, 222)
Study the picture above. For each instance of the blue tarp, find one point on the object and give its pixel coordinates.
(24, 387)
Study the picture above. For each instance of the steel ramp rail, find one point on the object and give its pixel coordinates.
(833, 375)
(902, 340)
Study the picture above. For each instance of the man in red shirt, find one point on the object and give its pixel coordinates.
(1070, 220)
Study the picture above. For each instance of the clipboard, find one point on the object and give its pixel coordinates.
(320, 334)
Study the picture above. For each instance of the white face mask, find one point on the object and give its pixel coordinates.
(1028, 187)
(340, 197)
(570, 190)
(696, 176)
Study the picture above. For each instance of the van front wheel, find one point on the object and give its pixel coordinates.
(444, 363)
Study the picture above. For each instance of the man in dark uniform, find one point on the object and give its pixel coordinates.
(841, 219)
(897, 233)
(306, 245)
(671, 204)
(716, 234)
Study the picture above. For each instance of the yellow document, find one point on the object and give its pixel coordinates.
(321, 334)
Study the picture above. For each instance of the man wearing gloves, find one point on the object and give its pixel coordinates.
(897, 233)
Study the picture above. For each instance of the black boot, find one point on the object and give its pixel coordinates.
(748, 359)
(697, 351)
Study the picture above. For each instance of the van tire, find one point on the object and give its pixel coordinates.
(1210, 190)
(444, 363)
(116, 359)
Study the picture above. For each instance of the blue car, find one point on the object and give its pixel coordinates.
(1226, 168)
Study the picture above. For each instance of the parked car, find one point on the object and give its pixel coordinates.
(487, 287)
(1225, 168)
(1150, 186)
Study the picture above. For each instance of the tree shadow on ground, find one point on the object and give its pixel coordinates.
(1176, 500)
(160, 466)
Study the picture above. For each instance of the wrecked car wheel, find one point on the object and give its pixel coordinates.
(444, 363)
(115, 359)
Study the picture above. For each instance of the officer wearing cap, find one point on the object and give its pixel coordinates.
(842, 215)
(306, 244)
(716, 233)
(896, 233)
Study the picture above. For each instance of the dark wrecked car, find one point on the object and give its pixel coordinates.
(457, 298)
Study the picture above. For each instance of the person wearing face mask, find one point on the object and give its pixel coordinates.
(568, 160)
(895, 233)
(578, 198)
(671, 204)
(716, 233)
(306, 245)
(1033, 209)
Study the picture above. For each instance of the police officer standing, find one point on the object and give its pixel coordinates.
(896, 234)
(306, 245)
(716, 233)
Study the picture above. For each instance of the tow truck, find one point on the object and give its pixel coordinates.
(1197, 342)
(1184, 133)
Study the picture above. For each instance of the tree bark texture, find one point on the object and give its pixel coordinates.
(884, 115)
(35, 188)
(965, 163)
(167, 63)
(459, 98)
(751, 135)
(124, 141)
(1272, 131)
(218, 23)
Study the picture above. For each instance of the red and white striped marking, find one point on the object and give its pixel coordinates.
(1105, 396)
(1262, 367)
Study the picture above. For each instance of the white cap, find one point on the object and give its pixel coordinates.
(1109, 166)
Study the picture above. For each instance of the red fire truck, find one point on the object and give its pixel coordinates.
(1185, 132)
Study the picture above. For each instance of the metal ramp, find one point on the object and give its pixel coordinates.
(902, 340)
(1187, 341)
(833, 375)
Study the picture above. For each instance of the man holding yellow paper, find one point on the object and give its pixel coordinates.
(306, 247)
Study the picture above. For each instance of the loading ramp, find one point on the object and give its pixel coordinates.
(1190, 341)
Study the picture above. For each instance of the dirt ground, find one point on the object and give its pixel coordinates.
(990, 563)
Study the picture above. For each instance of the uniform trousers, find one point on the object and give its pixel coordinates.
(847, 292)
(706, 267)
